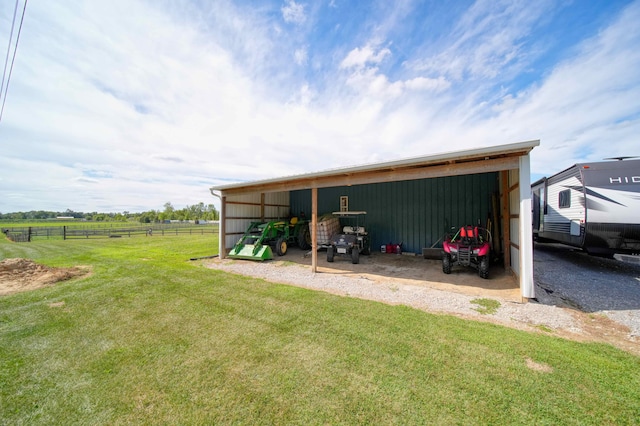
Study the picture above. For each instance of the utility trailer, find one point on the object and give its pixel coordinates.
(593, 206)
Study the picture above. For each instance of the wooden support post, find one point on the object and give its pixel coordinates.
(506, 218)
(496, 226)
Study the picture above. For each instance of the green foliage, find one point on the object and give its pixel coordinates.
(486, 306)
(198, 211)
(545, 328)
(153, 338)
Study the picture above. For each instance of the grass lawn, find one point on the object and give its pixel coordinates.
(152, 338)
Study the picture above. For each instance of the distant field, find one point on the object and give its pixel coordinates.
(52, 222)
(149, 337)
(31, 231)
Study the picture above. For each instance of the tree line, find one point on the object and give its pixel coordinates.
(194, 212)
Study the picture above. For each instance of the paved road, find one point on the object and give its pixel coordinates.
(567, 276)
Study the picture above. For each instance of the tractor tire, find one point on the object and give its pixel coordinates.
(330, 254)
(355, 256)
(281, 246)
(304, 238)
(483, 267)
(446, 263)
(366, 250)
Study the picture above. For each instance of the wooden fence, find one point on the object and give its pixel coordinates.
(67, 232)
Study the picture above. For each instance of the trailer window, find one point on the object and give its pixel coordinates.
(564, 199)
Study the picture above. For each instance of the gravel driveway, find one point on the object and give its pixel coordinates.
(568, 277)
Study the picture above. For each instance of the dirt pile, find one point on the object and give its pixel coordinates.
(18, 275)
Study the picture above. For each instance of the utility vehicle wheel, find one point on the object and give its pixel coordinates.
(366, 250)
(446, 263)
(304, 238)
(355, 256)
(483, 268)
(330, 254)
(281, 246)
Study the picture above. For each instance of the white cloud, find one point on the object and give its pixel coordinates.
(486, 41)
(301, 56)
(433, 84)
(367, 55)
(293, 12)
(366, 77)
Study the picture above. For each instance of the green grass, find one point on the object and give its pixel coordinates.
(486, 306)
(545, 328)
(151, 338)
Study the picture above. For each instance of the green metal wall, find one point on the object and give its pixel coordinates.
(415, 213)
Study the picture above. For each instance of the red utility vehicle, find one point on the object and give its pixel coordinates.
(470, 246)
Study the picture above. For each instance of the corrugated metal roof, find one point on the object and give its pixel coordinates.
(478, 154)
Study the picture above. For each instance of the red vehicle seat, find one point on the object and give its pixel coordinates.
(469, 234)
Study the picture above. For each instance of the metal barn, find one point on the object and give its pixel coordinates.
(410, 201)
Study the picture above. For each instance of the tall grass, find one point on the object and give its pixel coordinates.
(153, 338)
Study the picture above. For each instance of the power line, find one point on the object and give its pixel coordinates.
(13, 59)
(6, 61)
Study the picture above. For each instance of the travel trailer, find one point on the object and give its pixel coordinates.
(594, 206)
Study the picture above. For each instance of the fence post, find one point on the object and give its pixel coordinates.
(64, 232)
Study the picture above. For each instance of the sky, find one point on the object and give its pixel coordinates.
(125, 105)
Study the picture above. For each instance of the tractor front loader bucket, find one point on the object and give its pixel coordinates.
(251, 252)
(254, 244)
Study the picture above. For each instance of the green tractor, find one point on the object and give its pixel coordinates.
(261, 239)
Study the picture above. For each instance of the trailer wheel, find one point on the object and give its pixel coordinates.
(281, 246)
(330, 254)
(355, 256)
(483, 268)
(304, 238)
(446, 263)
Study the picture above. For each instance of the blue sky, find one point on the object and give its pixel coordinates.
(126, 105)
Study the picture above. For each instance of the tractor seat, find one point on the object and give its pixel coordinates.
(353, 230)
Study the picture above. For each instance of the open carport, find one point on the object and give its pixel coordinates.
(413, 201)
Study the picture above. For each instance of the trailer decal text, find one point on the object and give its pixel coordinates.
(626, 179)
